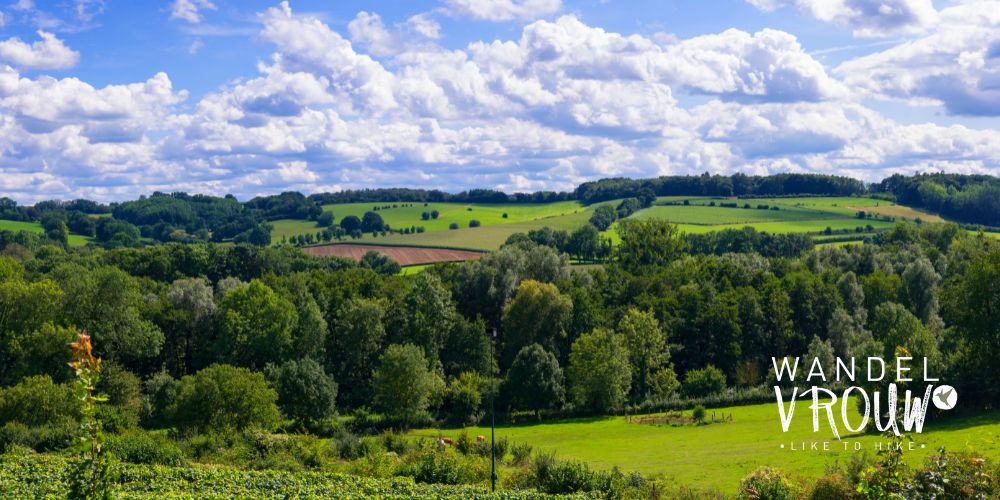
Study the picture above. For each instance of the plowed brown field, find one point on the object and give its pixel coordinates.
(405, 256)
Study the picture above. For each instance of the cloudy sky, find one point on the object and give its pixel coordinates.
(109, 99)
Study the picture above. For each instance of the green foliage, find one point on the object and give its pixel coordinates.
(124, 392)
(648, 242)
(380, 263)
(704, 382)
(357, 338)
(223, 397)
(110, 304)
(698, 414)
(37, 401)
(305, 392)
(140, 447)
(538, 313)
(970, 304)
(255, 325)
(535, 380)
(647, 348)
(599, 373)
(45, 477)
(403, 383)
(831, 487)
(766, 483)
(464, 400)
(603, 217)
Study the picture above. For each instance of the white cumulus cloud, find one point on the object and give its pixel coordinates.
(503, 10)
(47, 53)
(866, 18)
(957, 65)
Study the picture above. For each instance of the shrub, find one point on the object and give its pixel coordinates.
(474, 223)
(954, 475)
(439, 467)
(396, 443)
(37, 401)
(54, 436)
(704, 382)
(141, 447)
(832, 487)
(124, 391)
(465, 397)
(453, 225)
(567, 477)
(520, 453)
(504, 215)
(225, 397)
(766, 483)
(698, 413)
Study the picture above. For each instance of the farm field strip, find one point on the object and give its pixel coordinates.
(405, 256)
(718, 455)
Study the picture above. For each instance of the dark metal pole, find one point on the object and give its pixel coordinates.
(493, 446)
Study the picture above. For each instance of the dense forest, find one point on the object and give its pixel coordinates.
(973, 200)
(966, 198)
(203, 338)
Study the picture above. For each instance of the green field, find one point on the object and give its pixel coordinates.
(407, 214)
(75, 240)
(796, 215)
(718, 455)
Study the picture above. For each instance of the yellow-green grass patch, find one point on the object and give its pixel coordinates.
(718, 455)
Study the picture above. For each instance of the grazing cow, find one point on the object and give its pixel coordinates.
(448, 441)
(480, 439)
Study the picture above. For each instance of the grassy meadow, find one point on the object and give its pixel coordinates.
(75, 240)
(718, 455)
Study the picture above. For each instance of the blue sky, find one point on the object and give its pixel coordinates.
(109, 99)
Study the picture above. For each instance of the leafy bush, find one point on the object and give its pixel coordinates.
(566, 477)
(698, 413)
(832, 487)
(305, 392)
(766, 483)
(520, 453)
(225, 397)
(141, 447)
(53, 436)
(37, 401)
(954, 475)
(704, 382)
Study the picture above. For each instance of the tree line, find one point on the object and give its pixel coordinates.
(182, 217)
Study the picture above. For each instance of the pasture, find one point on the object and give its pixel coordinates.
(74, 240)
(718, 455)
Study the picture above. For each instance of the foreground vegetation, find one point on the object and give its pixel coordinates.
(47, 477)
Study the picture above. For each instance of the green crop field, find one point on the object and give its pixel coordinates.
(719, 454)
(75, 240)
(46, 476)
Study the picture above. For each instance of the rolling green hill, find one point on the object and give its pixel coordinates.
(794, 215)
